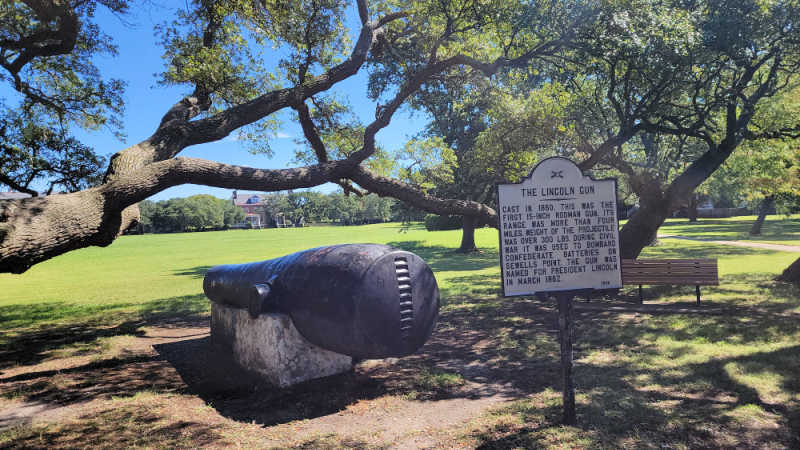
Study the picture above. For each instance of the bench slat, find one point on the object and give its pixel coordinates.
(684, 281)
(670, 271)
(668, 276)
(657, 276)
(695, 272)
(659, 261)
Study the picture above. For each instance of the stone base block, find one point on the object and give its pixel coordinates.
(271, 346)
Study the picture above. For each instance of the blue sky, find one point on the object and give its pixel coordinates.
(139, 60)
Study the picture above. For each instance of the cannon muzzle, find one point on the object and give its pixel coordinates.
(363, 300)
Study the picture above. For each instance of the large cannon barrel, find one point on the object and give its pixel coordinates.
(362, 300)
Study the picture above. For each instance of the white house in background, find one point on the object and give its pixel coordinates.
(254, 209)
(13, 195)
(260, 214)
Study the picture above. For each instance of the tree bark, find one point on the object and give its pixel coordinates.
(467, 235)
(766, 205)
(792, 273)
(641, 229)
(33, 230)
(692, 208)
(38, 228)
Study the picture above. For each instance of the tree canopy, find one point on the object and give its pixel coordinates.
(660, 92)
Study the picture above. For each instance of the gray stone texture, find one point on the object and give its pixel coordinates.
(271, 346)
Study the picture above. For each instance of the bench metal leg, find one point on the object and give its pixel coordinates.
(641, 297)
(697, 288)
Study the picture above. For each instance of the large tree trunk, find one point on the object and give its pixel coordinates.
(56, 224)
(642, 229)
(467, 235)
(766, 205)
(35, 229)
(658, 204)
(692, 208)
(60, 223)
(792, 273)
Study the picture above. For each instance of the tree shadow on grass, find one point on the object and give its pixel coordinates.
(638, 398)
(122, 376)
(497, 347)
(194, 272)
(125, 426)
(468, 344)
(34, 342)
(509, 348)
(701, 251)
(633, 401)
(505, 347)
(709, 229)
(443, 259)
(733, 288)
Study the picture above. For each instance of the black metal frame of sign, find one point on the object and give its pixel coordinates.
(564, 294)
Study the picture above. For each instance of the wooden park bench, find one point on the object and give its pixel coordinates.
(684, 272)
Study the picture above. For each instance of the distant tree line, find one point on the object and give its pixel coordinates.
(206, 212)
(195, 213)
(338, 208)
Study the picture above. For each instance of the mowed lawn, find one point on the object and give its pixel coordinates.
(667, 374)
(780, 229)
(156, 271)
(164, 272)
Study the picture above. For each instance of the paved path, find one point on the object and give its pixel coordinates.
(776, 247)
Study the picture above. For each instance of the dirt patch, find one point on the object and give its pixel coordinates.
(404, 403)
(488, 378)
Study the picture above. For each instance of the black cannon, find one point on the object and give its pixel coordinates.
(362, 300)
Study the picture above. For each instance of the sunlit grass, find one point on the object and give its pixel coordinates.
(667, 374)
(137, 272)
(163, 273)
(777, 229)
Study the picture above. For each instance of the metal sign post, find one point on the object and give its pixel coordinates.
(566, 332)
(559, 234)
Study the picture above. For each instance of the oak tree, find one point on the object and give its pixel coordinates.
(211, 50)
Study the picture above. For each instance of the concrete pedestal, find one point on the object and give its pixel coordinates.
(270, 345)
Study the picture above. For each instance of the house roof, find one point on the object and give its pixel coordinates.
(249, 200)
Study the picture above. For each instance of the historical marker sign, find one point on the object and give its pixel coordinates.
(558, 231)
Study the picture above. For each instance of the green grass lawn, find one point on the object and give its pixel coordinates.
(666, 374)
(163, 273)
(777, 229)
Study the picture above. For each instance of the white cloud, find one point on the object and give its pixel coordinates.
(282, 135)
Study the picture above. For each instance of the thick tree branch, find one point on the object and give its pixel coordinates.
(34, 229)
(223, 123)
(606, 148)
(310, 132)
(16, 186)
(156, 177)
(45, 42)
(187, 108)
(404, 192)
(363, 11)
